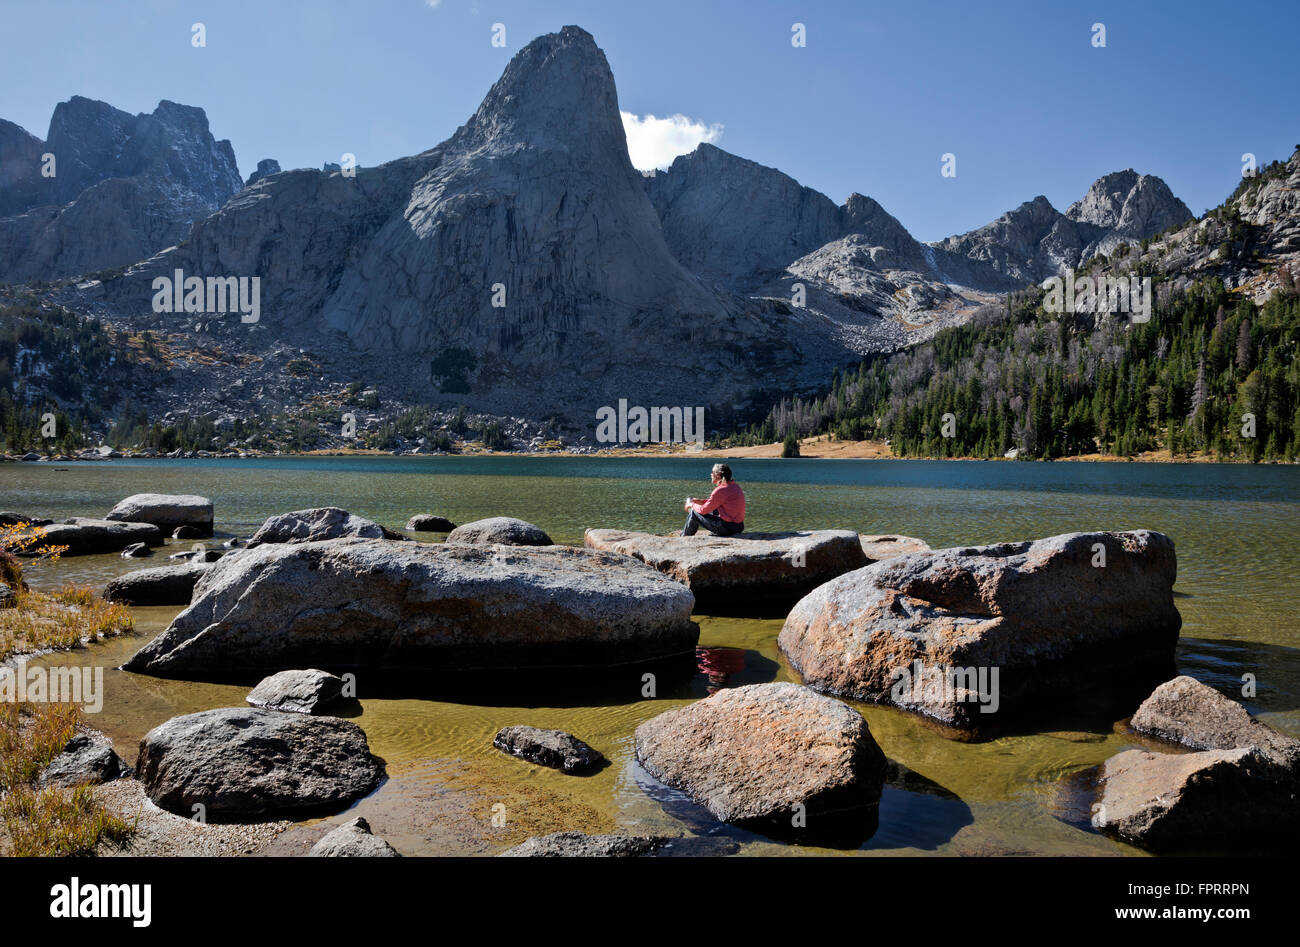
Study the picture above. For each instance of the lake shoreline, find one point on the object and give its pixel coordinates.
(816, 448)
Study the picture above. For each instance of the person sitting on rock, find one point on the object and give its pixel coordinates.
(723, 513)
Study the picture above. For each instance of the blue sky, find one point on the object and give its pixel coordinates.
(1015, 90)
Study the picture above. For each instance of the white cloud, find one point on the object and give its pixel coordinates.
(655, 142)
(432, 4)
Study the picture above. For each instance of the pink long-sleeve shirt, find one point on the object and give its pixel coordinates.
(727, 500)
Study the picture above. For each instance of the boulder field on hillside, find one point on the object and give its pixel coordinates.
(962, 635)
(353, 603)
(777, 758)
(1237, 792)
(752, 572)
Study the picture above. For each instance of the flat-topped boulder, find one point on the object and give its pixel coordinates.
(749, 572)
(959, 634)
(85, 537)
(167, 511)
(500, 529)
(325, 522)
(240, 761)
(163, 585)
(880, 547)
(779, 758)
(366, 603)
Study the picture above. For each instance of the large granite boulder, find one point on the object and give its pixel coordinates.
(1238, 793)
(779, 758)
(238, 761)
(85, 536)
(553, 748)
(326, 522)
(164, 585)
(960, 633)
(749, 572)
(353, 840)
(379, 604)
(298, 692)
(167, 511)
(500, 529)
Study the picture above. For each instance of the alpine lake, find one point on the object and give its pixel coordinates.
(449, 792)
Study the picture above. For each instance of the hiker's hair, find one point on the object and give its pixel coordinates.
(724, 470)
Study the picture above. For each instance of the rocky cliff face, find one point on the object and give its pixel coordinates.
(534, 205)
(755, 230)
(124, 186)
(1036, 241)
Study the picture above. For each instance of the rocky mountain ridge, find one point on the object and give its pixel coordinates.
(523, 266)
(116, 188)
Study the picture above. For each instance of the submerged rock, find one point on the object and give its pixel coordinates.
(137, 551)
(747, 572)
(88, 759)
(777, 758)
(239, 761)
(85, 536)
(379, 604)
(326, 522)
(299, 692)
(958, 633)
(166, 511)
(500, 529)
(353, 840)
(428, 523)
(164, 585)
(553, 748)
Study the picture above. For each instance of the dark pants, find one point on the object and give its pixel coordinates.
(712, 522)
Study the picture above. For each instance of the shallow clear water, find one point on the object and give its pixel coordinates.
(1236, 528)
